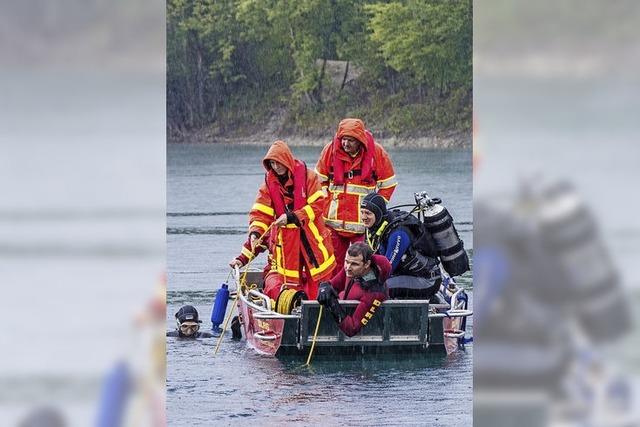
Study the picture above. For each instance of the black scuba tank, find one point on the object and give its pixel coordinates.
(439, 224)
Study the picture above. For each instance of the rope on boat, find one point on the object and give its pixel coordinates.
(242, 286)
(286, 301)
(315, 335)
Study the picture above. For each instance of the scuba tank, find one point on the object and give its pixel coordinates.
(584, 274)
(219, 307)
(439, 224)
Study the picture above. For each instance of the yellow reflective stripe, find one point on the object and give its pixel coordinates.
(388, 183)
(324, 266)
(310, 213)
(291, 226)
(359, 189)
(263, 208)
(354, 223)
(332, 222)
(336, 188)
(314, 271)
(352, 189)
(315, 196)
(333, 209)
(318, 237)
(246, 252)
(280, 261)
(353, 227)
(324, 177)
(288, 273)
(393, 184)
(388, 186)
(259, 224)
(370, 187)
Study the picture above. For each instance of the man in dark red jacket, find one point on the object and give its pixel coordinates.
(362, 278)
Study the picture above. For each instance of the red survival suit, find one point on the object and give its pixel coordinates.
(300, 254)
(370, 298)
(348, 180)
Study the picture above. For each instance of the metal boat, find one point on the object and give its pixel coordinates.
(400, 326)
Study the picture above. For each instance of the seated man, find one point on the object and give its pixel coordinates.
(399, 236)
(362, 279)
(188, 324)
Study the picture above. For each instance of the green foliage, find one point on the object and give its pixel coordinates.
(431, 40)
(232, 64)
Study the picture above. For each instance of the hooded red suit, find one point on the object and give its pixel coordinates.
(300, 254)
(348, 179)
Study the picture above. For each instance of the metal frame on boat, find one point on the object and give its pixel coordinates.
(400, 326)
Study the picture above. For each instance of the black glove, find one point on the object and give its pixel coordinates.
(336, 310)
(326, 293)
(292, 219)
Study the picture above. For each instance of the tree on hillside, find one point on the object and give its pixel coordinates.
(430, 39)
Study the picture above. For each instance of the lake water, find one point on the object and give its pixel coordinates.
(210, 189)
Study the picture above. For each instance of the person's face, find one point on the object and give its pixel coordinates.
(350, 145)
(278, 167)
(368, 217)
(189, 329)
(355, 266)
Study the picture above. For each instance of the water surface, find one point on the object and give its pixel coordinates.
(210, 190)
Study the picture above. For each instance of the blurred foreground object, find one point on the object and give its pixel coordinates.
(556, 93)
(548, 297)
(82, 178)
(44, 417)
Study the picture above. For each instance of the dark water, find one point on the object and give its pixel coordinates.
(210, 189)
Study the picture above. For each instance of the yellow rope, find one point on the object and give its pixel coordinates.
(242, 286)
(315, 335)
(285, 301)
(226, 322)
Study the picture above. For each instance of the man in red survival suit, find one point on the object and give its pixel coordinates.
(350, 167)
(289, 205)
(362, 278)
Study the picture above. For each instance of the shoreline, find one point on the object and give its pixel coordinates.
(454, 141)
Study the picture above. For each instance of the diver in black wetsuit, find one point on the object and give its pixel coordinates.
(188, 324)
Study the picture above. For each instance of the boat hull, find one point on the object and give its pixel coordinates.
(400, 326)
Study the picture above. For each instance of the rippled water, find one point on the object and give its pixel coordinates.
(210, 189)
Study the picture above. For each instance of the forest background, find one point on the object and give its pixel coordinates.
(254, 70)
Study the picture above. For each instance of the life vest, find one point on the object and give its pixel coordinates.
(367, 171)
(299, 189)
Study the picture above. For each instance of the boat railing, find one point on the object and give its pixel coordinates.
(456, 308)
(260, 303)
